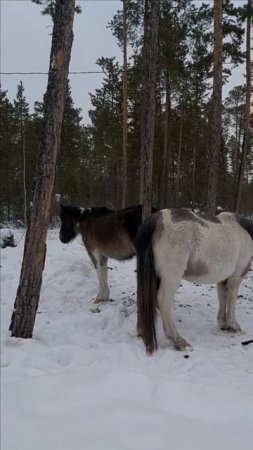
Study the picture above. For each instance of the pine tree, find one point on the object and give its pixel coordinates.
(7, 161)
(215, 147)
(21, 113)
(49, 7)
(27, 298)
(246, 120)
(150, 53)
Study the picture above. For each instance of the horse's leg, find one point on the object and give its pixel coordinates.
(101, 266)
(233, 285)
(222, 311)
(165, 296)
(229, 290)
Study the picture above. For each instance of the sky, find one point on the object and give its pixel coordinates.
(26, 43)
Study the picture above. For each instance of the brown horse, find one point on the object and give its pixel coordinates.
(105, 234)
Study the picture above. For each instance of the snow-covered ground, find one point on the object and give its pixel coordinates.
(84, 381)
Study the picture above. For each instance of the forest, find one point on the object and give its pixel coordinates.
(90, 167)
(165, 130)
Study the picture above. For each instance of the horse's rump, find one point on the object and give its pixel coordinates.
(176, 244)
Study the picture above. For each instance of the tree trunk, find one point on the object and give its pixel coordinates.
(235, 153)
(179, 157)
(194, 177)
(238, 153)
(246, 122)
(148, 108)
(27, 298)
(24, 169)
(165, 169)
(125, 112)
(215, 146)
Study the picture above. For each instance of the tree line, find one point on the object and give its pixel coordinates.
(90, 170)
(156, 104)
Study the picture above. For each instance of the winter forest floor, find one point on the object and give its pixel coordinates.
(84, 381)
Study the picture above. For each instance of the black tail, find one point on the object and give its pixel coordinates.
(147, 284)
(245, 223)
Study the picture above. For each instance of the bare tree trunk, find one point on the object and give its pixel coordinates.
(24, 169)
(143, 106)
(246, 122)
(179, 157)
(125, 112)
(166, 145)
(194, 178)
(27, 298)
(215, 146)
(148, 108)
(238, 152)
(236, 142)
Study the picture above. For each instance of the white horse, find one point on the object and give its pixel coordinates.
(175, 244)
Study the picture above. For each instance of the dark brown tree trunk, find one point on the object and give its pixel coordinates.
(148, 107)
(215, 146)
(27, 298)
(165, 168)
(125, 112)
(238, 148)
(179, 158)
(194, 177)
(24, 169)
(246, 121)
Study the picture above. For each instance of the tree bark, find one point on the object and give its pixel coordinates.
(27, 298)
(215, 147)
(246, 121)
(238, 152)
(125, 112)
(165, 169)
(24, 169)
(148, 107)
(179, 157)
(194, 177)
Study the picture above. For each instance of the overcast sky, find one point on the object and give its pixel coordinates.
(26, 42)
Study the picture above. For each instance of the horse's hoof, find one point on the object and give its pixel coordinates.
(181, 343)
(232, 327)
(101, 300)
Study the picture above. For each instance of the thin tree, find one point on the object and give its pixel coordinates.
(179, 155)
(125, 111)
(215, 140)
(150, 51)
(27, 298)
(22, 117)
(165, 163)
(246, 121)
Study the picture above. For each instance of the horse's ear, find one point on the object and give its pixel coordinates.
(63, 209)
(85, 213)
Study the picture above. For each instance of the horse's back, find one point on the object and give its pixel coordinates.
(201, 249)
(113, 232)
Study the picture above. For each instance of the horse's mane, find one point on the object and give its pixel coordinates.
(245, 223)
(100, 211)
(103, 210)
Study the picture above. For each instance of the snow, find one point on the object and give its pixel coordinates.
(84, 381)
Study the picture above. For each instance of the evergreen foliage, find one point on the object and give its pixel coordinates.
(89, 166)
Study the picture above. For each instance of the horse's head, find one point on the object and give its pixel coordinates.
(71, 216)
